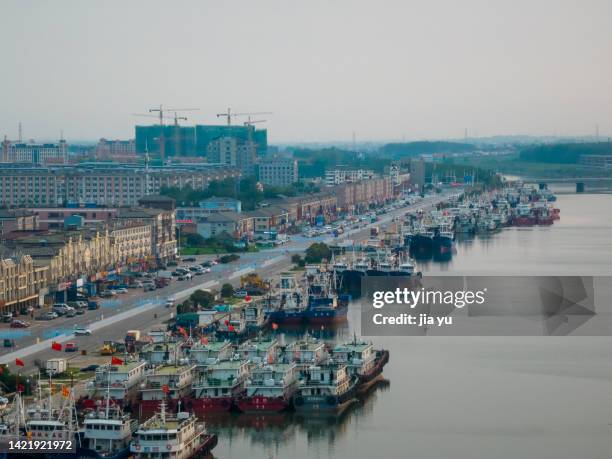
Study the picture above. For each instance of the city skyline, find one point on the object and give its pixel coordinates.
(388, 71)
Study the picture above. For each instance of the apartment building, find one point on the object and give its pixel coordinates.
(233, 152)
(341, 174)
(116, 150)
(278, 172)
(34, 153)
(100, 184)
(22, 283)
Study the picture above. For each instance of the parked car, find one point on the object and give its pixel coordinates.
(240, 293)
(19, 324)
(189, 259)
(61, 308)
(49, 315)
(121, 290)
(91, 367)
(206, 264)
(71, 347)
(7, 317)
(79, 330)
(92, 305)
(107, 294)
(71, 313)
(148, 286)
(80, 311)
(172, 263)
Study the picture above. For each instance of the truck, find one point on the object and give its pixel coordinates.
(56, 366)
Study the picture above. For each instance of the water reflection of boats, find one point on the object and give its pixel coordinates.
(274, 430)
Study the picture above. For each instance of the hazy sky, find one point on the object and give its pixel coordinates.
(384, 69)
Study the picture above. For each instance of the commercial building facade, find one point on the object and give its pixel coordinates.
(22, 283)
(357, 196)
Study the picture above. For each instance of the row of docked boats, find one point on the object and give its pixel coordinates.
(261, 375)
(105, 432)
(433, 233)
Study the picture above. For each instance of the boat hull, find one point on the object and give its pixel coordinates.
(262, 404)
(204, 405)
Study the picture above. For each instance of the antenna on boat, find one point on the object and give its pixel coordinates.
(108, 393)
(162, 413)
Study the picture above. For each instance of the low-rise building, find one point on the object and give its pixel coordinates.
(269, 220)
(232, 223)
(214, 204)
(17, 220)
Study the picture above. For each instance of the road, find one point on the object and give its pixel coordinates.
(144, 311)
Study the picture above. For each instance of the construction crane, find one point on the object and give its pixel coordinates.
(229, 115)
(161, 110)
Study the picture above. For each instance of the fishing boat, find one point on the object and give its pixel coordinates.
(270, 388)
(362, 360)
(326, 388)
(177, 436)
(107, 434)
(218, 385)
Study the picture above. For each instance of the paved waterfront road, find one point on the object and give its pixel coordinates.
(145, 310)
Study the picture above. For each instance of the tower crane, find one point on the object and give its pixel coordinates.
(229, 115)
(161, 110)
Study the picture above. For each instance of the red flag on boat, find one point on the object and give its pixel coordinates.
(20, 388)
(247, 298)
(203, 340)
(56, 346)
(165, 388)
(274, 326)
(116, 361)
(226, 322)
(230, 328)
(19, 363)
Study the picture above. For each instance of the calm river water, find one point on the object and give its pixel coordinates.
(467, 397)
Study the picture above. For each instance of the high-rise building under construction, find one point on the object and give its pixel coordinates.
(195, 140)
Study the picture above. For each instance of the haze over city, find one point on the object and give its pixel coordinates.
(385, 70)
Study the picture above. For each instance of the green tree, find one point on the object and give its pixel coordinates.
(317, 252)
(227, 290)
(296, 258)
(202, 298)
